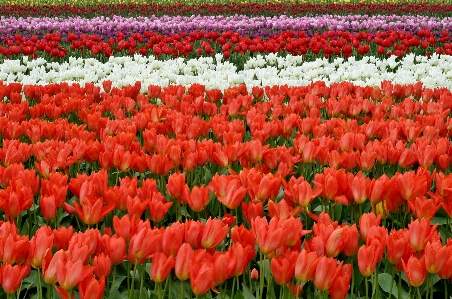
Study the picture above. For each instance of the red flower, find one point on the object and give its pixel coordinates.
(40, 244)
(326, 272)
(161, 266)
(90, 288)
(214, 233)
(201, 276)
(415, 270)
(283, 268)
(11, 276)
(143, 244)
(369, 256)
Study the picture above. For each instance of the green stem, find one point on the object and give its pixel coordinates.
(233, 287)
(114, 277)
(159, 290)
(39, 284)
(352, 287)
(367, 287)
(418, 293)
(445, 288)
(377, 286)
(142, 279)
(392, 280)
(399, 288)
(128, 276)
(166, 286)
(133, 279)
(182, 290)
(261, 277)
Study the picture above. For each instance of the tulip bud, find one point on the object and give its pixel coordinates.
(254, 274)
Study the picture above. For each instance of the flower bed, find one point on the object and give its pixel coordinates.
(226, 157)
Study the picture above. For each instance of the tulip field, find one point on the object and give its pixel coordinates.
(208, 149)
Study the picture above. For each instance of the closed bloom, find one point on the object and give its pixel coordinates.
(214, 233)
(70, 274)
(415, 270)
(183, 261)
(435, 256)
(91, 288)
(419, 232)
(198, 199)
(201, 276)
(305, 265)
(368, 257)
(40, 243)
(11, 276)
(161, 266)
(145, 243)
(326, 272)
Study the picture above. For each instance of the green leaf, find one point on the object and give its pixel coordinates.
(114, 294)
(439, 220)
(247, 293)
(239, 295)
(207, 175)
(384, 280)
(118, 282)
(337, 211)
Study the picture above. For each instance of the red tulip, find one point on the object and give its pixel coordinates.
(214, 233)
(243, 255)
(336, 242)
(252, 210)
(341, 284)
(199, 198)
(183, 261)
(11, 276)
(254, 274)
(173, 237)
(269, 236)
(305, 265)
(283, 268)
(90, 288)
(368, 257)
(161, 266)
(419, 232)
(70, 273)
(143, 244)
(366, 222)
(446, 269)
(62, 236)
(224, 265)
(201, 276)
(102, 265)
(435, 256)
(125, 227)
(50, 264)
(326, 272)
(415, 270)
(395, 247)
(40, 243)
(115, 248)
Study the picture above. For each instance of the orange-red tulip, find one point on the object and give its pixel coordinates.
(415, 270)
(90, 288)
(326, 272)
(70, 273)
(435, 256)
(305, 265)
(11, 276)
(201, 276)
(161, 266)
(214, 233)
(40, 243)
